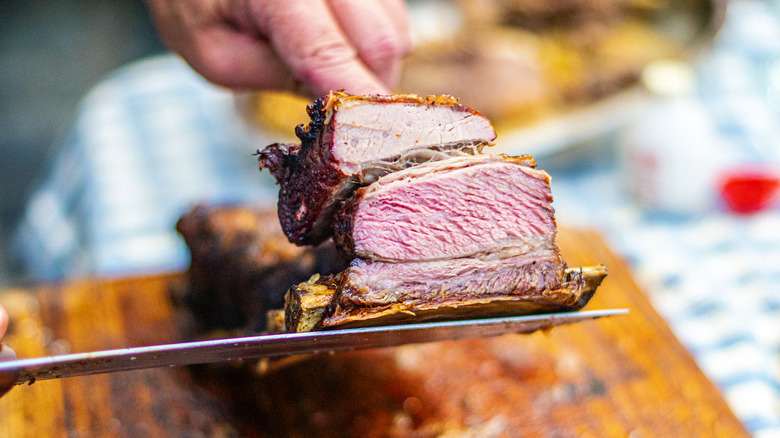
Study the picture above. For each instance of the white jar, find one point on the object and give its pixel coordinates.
(668, 156)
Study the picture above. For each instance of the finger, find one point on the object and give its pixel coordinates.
(233, 59)
(3, 322)
(7, 379)
(374, 33)
(308, 39)
(398, 13)
(211, 37)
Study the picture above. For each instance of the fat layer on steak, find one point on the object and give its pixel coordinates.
(348, 134)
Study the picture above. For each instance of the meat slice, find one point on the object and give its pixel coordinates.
(484, 206)
(348, 134)
(431, 224)
(318, 304)
(466, 236)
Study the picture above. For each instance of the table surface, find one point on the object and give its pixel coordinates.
(622, 376)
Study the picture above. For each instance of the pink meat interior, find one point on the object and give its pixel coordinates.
(367, 132)
(498, 208)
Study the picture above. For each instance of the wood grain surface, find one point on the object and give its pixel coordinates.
(623, 376)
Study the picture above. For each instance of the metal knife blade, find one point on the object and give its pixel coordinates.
(278, 345)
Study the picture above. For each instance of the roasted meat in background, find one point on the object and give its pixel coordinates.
(521, 61)
(242, 265)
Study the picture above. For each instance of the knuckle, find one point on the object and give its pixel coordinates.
(213, 65)
(264, 13)
(383, 49)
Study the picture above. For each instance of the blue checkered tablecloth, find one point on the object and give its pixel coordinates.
(154, 138)
(715, 278)
(147, 143)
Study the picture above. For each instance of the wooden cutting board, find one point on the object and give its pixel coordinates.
(624, 376)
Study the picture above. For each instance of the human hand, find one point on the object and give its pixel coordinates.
(313, 46)
(3, 322)
(6, 381)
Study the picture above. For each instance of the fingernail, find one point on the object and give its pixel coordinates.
(7, 353)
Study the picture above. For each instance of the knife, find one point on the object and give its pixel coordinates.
(278, 345)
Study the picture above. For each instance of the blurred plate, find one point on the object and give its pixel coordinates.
(549, 75)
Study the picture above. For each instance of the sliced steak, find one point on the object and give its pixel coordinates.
(432, 226)
(466, 236)
(484, 206)
(350, 133)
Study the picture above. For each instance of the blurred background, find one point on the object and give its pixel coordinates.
(51, 53)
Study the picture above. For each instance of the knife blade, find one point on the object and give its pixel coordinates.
(279, 345)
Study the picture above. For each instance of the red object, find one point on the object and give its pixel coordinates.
(749, 190)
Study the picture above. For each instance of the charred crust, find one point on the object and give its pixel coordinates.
(307, 303)
(280, 159)
(317, 112)
(587, 280)
(343, 224)
(292, 308)
(305, 133)
(336, 98)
